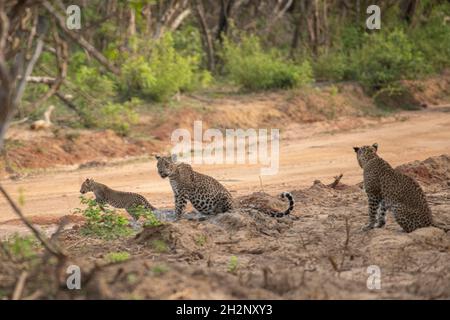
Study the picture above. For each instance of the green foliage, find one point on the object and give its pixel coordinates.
(160, 269)
(159, 245)
(433, 38)
(105, 224)
(331, 66)
(118, 116)
(162, 72)
(21, 247)
(150, 219)
(233, 264)
(117, 257)
(201, 240)
(250, 66)
(386, 58)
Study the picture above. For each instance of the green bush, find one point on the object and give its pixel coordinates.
(331, 66)
(249, 66)
(386, 58)
(162, 72)
(433, 38)
(102, 223)
(150, 220)
(21, 247)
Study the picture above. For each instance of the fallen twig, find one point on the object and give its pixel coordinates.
(20, 285)
(337, 179)
(51, 248)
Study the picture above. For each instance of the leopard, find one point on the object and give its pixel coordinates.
(207, 195)
(117, 199)
(389, 189)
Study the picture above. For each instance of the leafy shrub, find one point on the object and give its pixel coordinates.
(105, 224)
(162, 72)
(118, 116)
(387, 58)
(433, 38)
(117, 257)
(249, 66)
(20, 247)
(331, 66)
(233, 264)
(150, 219)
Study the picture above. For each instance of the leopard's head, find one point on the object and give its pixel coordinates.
(166, 165)
(365, 153)
(86, 186)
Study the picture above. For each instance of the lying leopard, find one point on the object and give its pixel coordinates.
(118, 199)
(388, 188)
(207, 195)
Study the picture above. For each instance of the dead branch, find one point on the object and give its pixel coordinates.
(78, 38)
(337, 179)
(51, 248)
(62, 57)
(20, 285)
(41, 79)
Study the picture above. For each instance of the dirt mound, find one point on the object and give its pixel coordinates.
(85, 148)
(434, 170)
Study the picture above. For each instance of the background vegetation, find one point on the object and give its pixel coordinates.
(159, 49)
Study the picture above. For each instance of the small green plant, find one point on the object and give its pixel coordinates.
(21, 247)
(233, 264)
(200, 240)
(159, 246)
(160, 269)
(102, 222)
(117, 257)
(150, 220)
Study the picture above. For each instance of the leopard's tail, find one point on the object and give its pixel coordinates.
(444, 228)
(289, 196)
(147, 204)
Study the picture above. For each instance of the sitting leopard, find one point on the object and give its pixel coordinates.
(118, 199)
(388, 188)
(207, 195)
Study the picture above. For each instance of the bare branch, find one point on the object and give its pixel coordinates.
(78, 38)
(51, 248)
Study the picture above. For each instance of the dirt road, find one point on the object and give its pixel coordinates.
(307, 152)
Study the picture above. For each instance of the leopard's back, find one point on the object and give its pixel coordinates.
(206, 194)
(400, 193)
(126, 200)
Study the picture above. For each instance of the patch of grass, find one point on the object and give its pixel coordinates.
(150, 219)
(160, 269)
(132, 278)
(102, 223)
(201, 240)
(21, 247)
(160, 246)
(117, 257)
(233, 264)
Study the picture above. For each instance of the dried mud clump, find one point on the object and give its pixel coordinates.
(434, 170)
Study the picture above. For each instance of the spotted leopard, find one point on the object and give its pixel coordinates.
(207, 195)
(388, 188)
(118, 199)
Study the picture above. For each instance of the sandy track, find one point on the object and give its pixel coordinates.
(307, 153)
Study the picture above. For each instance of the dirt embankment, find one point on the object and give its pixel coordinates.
(343, 104)
(319, 252)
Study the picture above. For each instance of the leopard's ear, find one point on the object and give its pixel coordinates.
(356, 149)
(375, 145)
(157, 156)
(174, 157)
